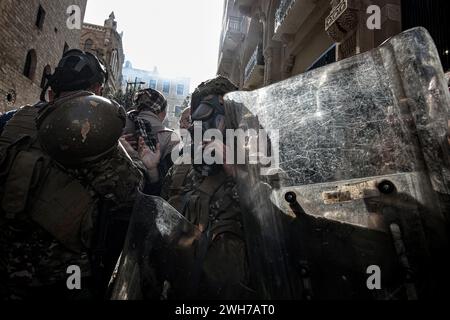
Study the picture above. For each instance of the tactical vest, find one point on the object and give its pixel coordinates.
(208, 205)
(211, 203)
(33, 187)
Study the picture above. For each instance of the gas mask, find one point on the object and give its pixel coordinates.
(211, 114)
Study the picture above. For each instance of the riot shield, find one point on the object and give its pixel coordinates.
(363, 178)
(157, 259)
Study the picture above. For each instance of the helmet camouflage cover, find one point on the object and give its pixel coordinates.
(217, 86)
(77, 70)
(81, 128)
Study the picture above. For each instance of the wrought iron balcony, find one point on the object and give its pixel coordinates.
(234, 24)
(291, 15)
(233, 33)
(282, 12)
(254, 71)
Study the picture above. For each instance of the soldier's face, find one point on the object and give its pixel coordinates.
(211, 113)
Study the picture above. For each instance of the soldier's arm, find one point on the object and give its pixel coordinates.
(117, 178)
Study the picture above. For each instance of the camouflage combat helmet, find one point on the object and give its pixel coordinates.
(77, 70)
(217, 86)
(81, 128)
(151, 100)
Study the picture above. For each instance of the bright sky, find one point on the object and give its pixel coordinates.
(180, 37)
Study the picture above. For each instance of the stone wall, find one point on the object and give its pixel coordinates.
(19, 34)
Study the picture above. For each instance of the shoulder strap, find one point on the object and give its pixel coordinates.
(179, 175)
(173, 186)
(210, 185)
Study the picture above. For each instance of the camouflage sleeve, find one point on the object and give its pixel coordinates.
(117, 178)
(137, 162)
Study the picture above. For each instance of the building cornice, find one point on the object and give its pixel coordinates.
(94, 27)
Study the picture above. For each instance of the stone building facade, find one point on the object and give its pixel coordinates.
(174, 89)
(33, 37)
(265, 41)
(105, 42)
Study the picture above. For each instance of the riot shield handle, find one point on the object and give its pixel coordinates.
(291, 198)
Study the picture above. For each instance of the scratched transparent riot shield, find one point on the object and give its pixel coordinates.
(358, 207)
(157, 257)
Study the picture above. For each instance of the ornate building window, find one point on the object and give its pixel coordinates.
(88, 45)
(114, 62)
(166, 87)
(180, 89)
(152, 84)
(40, 18)
(30, 64)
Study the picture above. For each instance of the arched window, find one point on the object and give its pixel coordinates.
(113, 62)
(47, 71)
(88, 45)
(40, 18)
(30, 64)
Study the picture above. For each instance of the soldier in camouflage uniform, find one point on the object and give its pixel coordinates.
(63, 194)
(208, 198)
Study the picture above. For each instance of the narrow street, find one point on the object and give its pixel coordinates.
(224, 158)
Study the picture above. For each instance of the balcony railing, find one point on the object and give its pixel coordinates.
(282, 12)
(257, 59)
(233, 33)
(234, 24)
